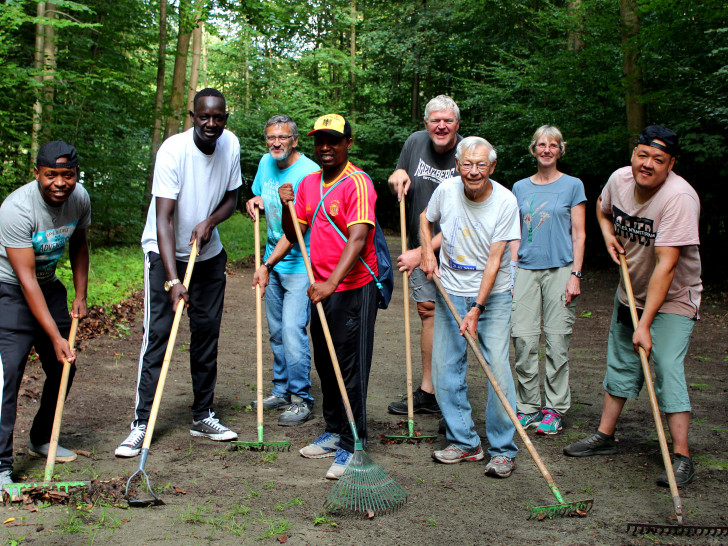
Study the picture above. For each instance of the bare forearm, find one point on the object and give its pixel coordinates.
(78, 252)
(283, 247)
(491, 271)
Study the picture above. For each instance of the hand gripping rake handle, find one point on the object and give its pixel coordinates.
(62, 391)
(651, 392)
(325, 328)
(501, 396)
(160, 385)
(258, 332)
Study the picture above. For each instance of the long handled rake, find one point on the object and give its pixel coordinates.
(563, 508)
(411, 436)
(260, 444)
(145, 495)
(641, 528)
(16, 489)
(364, 486)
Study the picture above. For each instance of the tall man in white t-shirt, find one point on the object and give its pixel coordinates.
(196, 177)
(650, 214)
(478, 218)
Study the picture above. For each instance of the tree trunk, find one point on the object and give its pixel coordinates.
(49, 71)
(575, 41)
(40, 31)
(632, 69)
(246, 75)
(417, 18)
(159, 98)
(177, 98)
(194, 72)
(352, 67)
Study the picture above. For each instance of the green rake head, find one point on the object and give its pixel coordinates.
(411, 436)
(578, 508)
(260, 446)
(365, 487)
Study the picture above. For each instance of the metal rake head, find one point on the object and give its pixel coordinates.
(578, 508)
(680, 530)
(365, 487)
(151, 499)
(260, 446)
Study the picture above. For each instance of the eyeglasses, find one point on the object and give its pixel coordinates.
(282, 138)
(543, 146)
(467, 167)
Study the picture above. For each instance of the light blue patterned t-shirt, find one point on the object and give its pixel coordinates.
(267, 181)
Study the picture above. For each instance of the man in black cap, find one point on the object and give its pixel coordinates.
(650, 214)
(36, 222)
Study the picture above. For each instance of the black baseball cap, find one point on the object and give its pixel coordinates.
(49, 153)
(656, 132)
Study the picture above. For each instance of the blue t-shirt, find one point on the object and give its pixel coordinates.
(546, 221)
(267, 181)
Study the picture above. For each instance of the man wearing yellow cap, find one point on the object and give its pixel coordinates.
(337, 204)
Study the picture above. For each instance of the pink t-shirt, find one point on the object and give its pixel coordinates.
(351, 202)
(668, 218)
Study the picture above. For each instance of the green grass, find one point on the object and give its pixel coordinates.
(116, 272)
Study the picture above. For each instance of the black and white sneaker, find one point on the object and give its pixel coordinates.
(133, 443)
(210, 427)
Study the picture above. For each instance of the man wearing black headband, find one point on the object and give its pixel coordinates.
(650, 214)
(36, 222)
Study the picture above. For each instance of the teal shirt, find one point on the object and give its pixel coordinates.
(267, 181)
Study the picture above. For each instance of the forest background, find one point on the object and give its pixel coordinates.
(116, 78)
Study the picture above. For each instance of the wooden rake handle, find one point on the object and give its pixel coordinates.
(405, 293)
(258, 332)
(651, 392)
(501, 395)
(324, 323)
(168, 353)
(62, 391)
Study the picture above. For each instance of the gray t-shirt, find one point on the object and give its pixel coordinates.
(426, 169)
(468, 231)
(27, 221)
(546, 221)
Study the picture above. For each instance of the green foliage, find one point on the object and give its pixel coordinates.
(114, 274)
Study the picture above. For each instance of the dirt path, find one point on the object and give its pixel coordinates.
(213, 495)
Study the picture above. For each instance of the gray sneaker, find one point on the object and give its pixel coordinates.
(297, 413)
(500, 466)
(273, 402)
(453, 454)
(210, 427)
(133, 443)
(596, 444)
(684, 472)
(6, 478)
(63, 455)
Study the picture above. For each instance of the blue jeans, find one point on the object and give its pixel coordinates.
(288, 309)
(449, 366)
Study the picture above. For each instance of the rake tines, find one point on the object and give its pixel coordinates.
(365, 487)
(578, 508)
(679, 530)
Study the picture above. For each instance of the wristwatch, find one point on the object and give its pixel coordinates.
(577, 274)
(169, 284)
(479, 306)
(268, 266)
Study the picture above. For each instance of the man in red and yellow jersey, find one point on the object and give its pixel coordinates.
(337, 204)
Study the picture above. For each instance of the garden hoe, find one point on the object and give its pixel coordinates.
(260, 445)
(412, 435)
(650, 528)
(364, 487)
(144, 494)
(15, 490)
(577, 508)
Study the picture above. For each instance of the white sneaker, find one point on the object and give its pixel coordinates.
(133, 443)
(210, 427)
(341, 462)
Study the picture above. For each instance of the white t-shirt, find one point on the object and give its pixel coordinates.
(198, 182)
(468, 231)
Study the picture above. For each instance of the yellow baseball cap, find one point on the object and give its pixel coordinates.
(334, 124)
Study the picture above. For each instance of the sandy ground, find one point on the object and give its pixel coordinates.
(215, 495)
